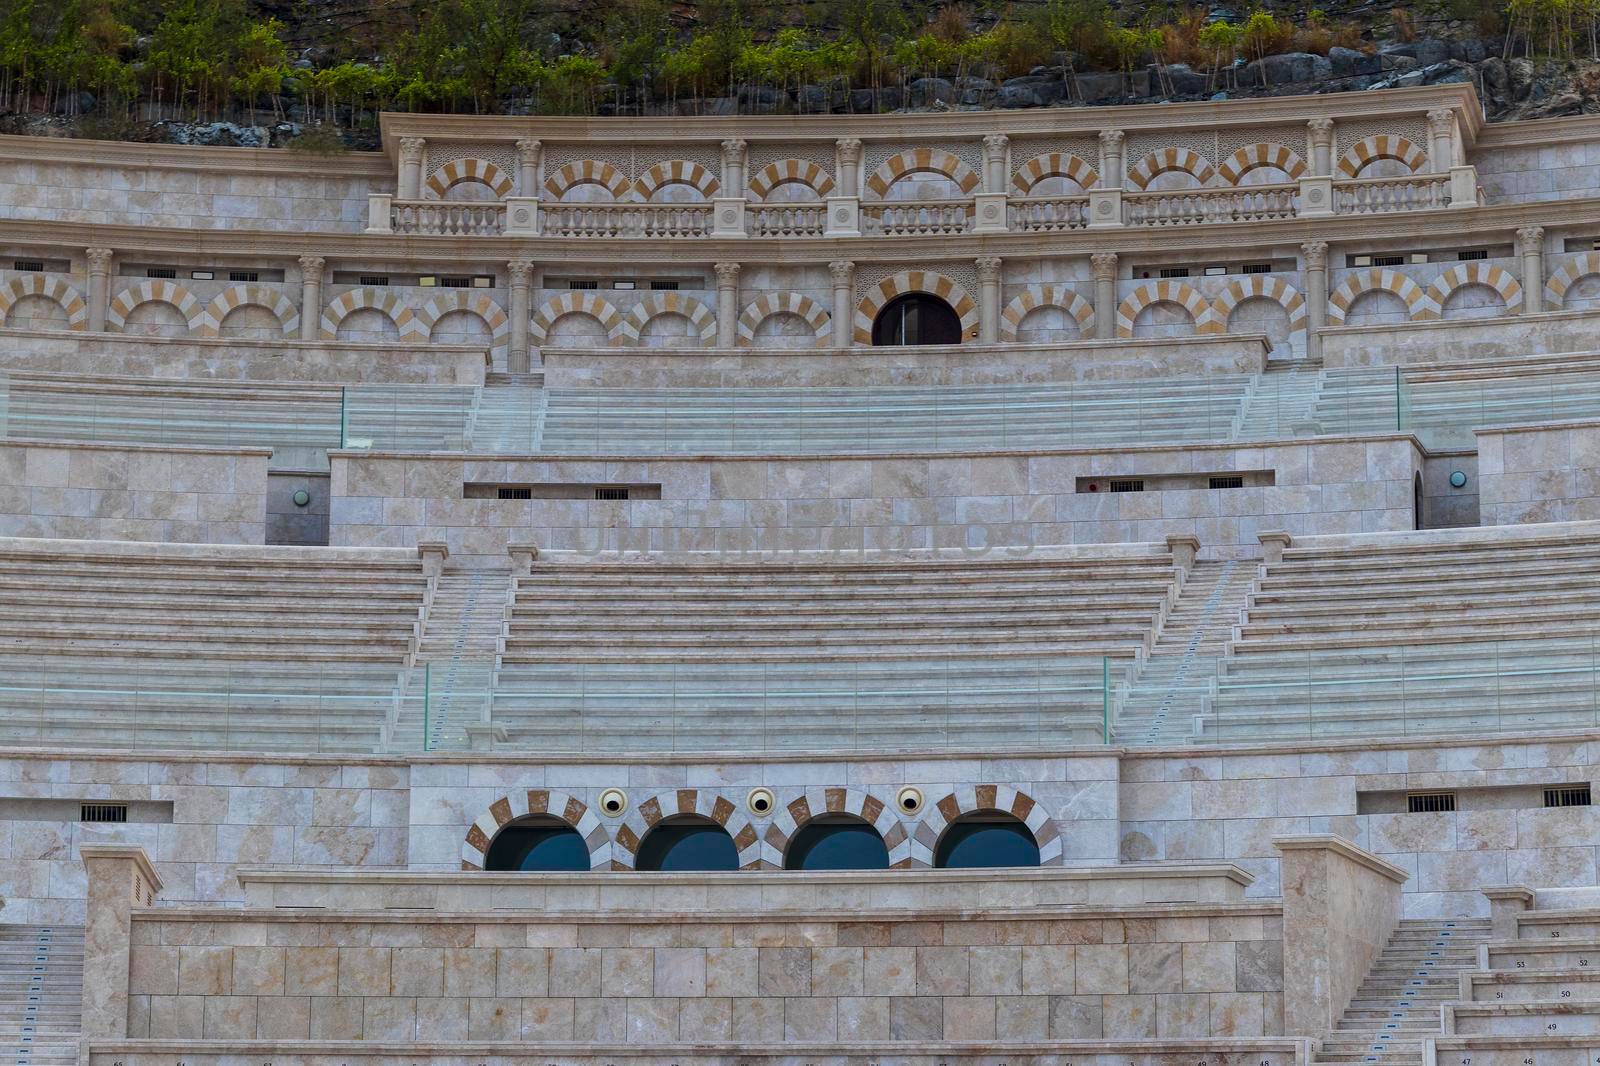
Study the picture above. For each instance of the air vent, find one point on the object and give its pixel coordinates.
(664, 286)
(244, 275)
(610, 493)
(1127, 484)
(1472, 255)
(1574, 796)
(514, 492)
(455, 283)
(1257, 268)
(1228, 481)
(33, 265)
(1174, 272)
(585, 285)
(1430, 802)
(161, 272)
(1388, 260)
(375, 279)
(102, 812)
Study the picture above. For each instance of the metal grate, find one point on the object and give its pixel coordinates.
(1228, 481)
(102, 812)
(1471, 255)
(1575, 796)
(513, 492)
(576, 284)
(244, 275)
(34, 265)
(161, 272)
(1174, 272)
(374, 279)
(1430, 802)
(611, 493)
(1127, 484)
(1388, 260)
(455, 283)
(1258, 268)
(664, 286)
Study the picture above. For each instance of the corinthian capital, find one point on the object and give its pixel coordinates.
(1321, 129)
(849, 149)
(1530, 239)
(1111, 140)
(99, 260)
(842, 271)
(1440, 119)
(732, 150)
(1105, 266)
(727, 274)
(994, 145)
(411, 149)
(1315, 254)
(311, 267)
(989, 269)
(528, 147)
(521, 271)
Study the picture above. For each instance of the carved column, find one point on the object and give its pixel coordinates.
(1105, 294)
(727, 304)
(310, 296)
(1113, 172)
(843, 273)
(1319, 134)
(994, 162)
(733, 177)
(1530, 246)
(849, 155)
(1442, 138)
(99, 286)
(518, 359)
(412, 150)
(989, 300)
(528, 154)
(1314, 255)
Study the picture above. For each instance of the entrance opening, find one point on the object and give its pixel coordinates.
(836, 842)
(541, 843)
(916, 318)
(688, 842)
(986, 839)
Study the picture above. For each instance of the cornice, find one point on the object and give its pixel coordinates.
(1539, 132)
(193, 157)
(1497, 220)
(1053, 121)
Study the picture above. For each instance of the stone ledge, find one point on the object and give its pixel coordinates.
(1345, 849)
(1429, 539)
(137, 854)
(202, 553)
(62, 445)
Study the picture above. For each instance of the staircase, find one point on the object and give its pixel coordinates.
(41, 991)
(510, 415)
(450, 686)
(1156, 706)
(1398, 1003)
(1278, 402)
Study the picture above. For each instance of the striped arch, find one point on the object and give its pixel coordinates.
(793, 816)
(787, 172)
(922, 161)
(586, 172)
(668, 303)
(521, 803)
(1167, 291)
(576, 303)
(1262, 286)
(1580, 266)
(493, 315)
(1255, 156)
(1166, 160)
(972, 799)
(676, 172)
(458, 171)
(51, 288)
(1383, 146)
(1053, 165)
(704, 802)
(1479, 273)
(1419, 305)
(384, 300)
(768, 304)
(908, 281)
(1036, 296)
(155, 290)
(236, 296)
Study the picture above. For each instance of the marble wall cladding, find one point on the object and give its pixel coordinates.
(94, 492)
(1334, 485)
(1513, 337)
(1259, 1051)
(1529, 173)
(1539, 473)
(1144, 974)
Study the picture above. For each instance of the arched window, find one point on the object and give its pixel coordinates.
(538, 843)
(687, 843)
(985, 839)
(836, 842)
(916, 318)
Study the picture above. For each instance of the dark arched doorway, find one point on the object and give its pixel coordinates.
(984, 840)
(541, 843)
(916, 318)
(685, 843)
(836, 842)
(1416, 500)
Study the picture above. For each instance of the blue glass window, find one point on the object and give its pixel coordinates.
(984, 840)
(836, 843)
(542, 844)
(685, 844)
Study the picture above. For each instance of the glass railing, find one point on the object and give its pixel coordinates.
(422, 418)
(937, 703)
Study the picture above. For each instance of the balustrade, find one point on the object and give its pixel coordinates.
(1376, 196)
(1043, 215)
(916, 218)
(787, 220)
(626, 220)
(447, 218)
(1251, 203)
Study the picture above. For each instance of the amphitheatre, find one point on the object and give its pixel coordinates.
(1111, 586)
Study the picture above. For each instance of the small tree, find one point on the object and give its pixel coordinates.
(1221, 40)
(263, 63)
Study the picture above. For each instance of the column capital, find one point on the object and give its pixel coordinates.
(99, 259)
(733, 149)
(1316, 254)
(1440, 119)
(1321, 129)
(994, 145)
(1105, 266)
(1111, 139)
(1530, 239)
(849, 149)
(727, 274)
(411, 149)
(528, 145)
(842, 271)
(988, 269)
(311, 267)
(521, 271)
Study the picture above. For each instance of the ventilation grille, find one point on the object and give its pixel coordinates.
(664, 286)
(161, 272)
(34, 265)
(1430, 802)
(1228, 481)
(575, 284)
(1174, 272)
(1388, 260)
(244, 275)
(455, 283)
(1472, 255)
(611, 494)
(1127, 484)
(514, 492)
(102, 812)
(375, 279)
(1575, 796)
(1258, 268)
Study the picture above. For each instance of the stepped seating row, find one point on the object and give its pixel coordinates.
(911, 651)
(1447, 631)
(164, 646)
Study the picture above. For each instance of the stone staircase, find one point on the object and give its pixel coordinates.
(1398, 1002)
(41, 990)
(1156, 706)
(1278, 402)
(510, 414)
(450, 686)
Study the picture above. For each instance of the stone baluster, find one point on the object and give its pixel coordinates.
(311, 296)
(843, 273)
(412, 149)
(1530, 246)
(99, 286)
(518, 359)
(988, 299)
(1314, 255)
(727, 304)
(1105, 294)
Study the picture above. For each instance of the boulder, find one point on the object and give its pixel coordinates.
(1093, 88)
(1014, 96)
(1426, 52)
(1475, 50)
(1186, 81)
(1349, 63)
(925, 92)
(1286, 69)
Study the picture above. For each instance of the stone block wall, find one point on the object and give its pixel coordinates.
(1548, 473)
